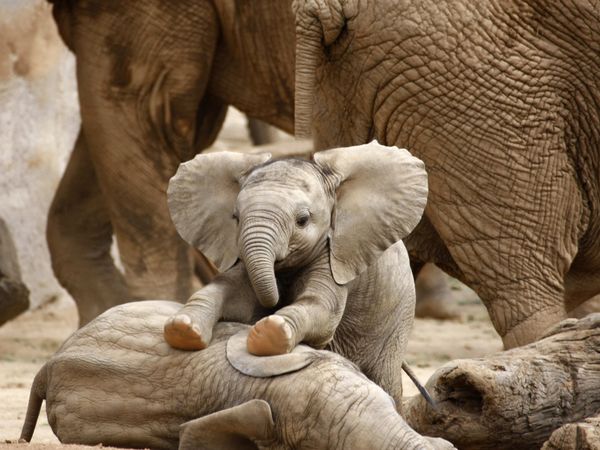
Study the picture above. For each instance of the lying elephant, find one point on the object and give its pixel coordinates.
(116, 382)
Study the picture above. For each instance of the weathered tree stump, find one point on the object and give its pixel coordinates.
(516, 399)
(576, 436)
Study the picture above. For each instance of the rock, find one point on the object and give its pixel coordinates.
(583, 435)
(14, 295)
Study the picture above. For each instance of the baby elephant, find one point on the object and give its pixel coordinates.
(117, 382)
(321, 239)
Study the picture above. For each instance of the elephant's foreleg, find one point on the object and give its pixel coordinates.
(515, 243)
(79, 236)
(230, 296)
(142, 85)
(312, 318)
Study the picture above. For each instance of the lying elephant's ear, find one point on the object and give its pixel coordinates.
(201, 197)
(266, 366)
(381, 195)
(238, 427)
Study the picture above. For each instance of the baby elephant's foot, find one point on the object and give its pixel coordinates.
(180, 332)
(270, 336)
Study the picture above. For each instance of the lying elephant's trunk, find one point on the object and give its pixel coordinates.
(258, 253)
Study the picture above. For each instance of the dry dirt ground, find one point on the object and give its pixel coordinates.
(31, 339)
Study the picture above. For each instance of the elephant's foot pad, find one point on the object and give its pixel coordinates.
(270, 336)
(180, 332)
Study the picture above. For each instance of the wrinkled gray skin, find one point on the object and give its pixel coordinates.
(311, 237)
(500, 100)
(116, 382)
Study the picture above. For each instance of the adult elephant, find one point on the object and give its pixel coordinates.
(502, 102)
(155, 79)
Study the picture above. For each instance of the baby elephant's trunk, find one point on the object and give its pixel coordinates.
(36, 397)
(259, 257)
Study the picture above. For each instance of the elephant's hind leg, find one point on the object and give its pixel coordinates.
(79, 236)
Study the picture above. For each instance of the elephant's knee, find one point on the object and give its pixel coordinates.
(75, 232)
(59, 237)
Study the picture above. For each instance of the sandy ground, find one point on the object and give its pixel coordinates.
(27, 342)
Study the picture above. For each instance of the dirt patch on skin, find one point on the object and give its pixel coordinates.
(27, 342)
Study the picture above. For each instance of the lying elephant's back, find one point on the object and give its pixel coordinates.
(130, 389)
(127, 379)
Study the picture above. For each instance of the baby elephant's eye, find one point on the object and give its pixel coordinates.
(236, 217)
(302, 219)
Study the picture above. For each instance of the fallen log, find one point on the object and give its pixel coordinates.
(515, 399)
(583, 435)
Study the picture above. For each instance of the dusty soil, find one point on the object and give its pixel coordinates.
(27, 342)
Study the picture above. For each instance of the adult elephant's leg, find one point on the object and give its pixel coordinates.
(79, 235)
(260, 132)
(514, 240)
(142, 72)
(434, 296)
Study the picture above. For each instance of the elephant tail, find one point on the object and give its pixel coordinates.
(36, 397)
(418, 384)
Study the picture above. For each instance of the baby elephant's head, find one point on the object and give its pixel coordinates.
(354, 202)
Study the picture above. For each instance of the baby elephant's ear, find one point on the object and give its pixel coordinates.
(234, 428)
(381, 195)
(201, 197)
